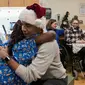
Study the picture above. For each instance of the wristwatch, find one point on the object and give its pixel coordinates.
(7, 59)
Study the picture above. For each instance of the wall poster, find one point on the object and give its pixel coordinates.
(82, 9)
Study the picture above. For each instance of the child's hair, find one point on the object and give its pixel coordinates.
(16, 36)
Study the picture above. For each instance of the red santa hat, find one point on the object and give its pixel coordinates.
(34, 15)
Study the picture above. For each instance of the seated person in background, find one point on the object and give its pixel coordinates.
(75, 35)
(51, 25)
(23, 49)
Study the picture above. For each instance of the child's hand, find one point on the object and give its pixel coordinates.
(3, 52)
(45, 37)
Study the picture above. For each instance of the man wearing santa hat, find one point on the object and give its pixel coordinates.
(46, 68)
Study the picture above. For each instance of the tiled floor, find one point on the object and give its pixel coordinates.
(80, 81)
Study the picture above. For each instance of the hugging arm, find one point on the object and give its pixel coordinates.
(46, 37)
(39, 65)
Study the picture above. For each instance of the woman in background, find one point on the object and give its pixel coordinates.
(75, 35)
(51, 25)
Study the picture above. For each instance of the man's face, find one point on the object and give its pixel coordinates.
(28, 31)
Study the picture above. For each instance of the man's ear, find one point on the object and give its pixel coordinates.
(40, 31)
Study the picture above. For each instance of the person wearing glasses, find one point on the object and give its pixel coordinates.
(75, 35)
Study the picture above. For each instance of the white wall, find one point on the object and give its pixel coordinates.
(8, 15)
(61, 6)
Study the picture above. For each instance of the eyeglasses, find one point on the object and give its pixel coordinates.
(75, 23)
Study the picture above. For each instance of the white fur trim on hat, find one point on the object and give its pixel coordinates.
(29, 16)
